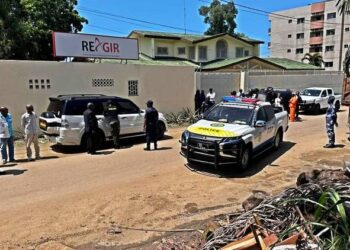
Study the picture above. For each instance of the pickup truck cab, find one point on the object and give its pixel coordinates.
(63, 122)
(232, 133)
(316, 99)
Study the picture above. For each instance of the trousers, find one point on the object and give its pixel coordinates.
(330, 133)
(29, 139)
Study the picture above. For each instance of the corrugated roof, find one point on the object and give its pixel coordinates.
(291, 64)
(224, 63)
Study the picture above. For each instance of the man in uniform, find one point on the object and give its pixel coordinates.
(112, 119)
(91, 128)
(150, 125)
(331, 120)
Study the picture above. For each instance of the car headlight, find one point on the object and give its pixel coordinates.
(184, 137)
(230, 142)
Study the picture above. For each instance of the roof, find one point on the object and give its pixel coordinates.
(282, 63)
(194, 38)
(84, 96)
(291, 64)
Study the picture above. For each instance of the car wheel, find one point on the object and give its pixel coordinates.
(317, 109)
(245, 158)
(160, 131)
(337, 106)
(278, 139)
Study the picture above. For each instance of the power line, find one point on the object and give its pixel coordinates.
(107, 29)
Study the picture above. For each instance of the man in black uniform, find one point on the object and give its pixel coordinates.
(150, 125)
(112, 119)
(91, 128)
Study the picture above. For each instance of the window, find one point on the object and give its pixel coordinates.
(221, 49)
(290, 21)
(31, 86)
(347, 29)
(191, 53)
(42, 83)
(331, 15)
(261, 116)
(330, 32)
(329, 48)
(318, 17)
(300, 20)
(102, 83)
(300, 36)
(77, 107)
(202, 52)
(328, 64)
(289, 50)
(133, 87)
(162, 50)
(299, 51)
(316, 33)
(127, 107)
(270, 113)
(269, 44)
(346, 46)
(289, 35)
(315, 48)
(246, 53)
(324, 93)
(330, 92)
(48, 84)
(239, 52)
(181, 51)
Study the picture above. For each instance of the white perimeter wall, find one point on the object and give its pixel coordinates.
(171, 88)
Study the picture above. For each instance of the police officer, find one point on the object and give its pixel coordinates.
(91, 128)
(112, 119)
(150, 125)
(331, 120)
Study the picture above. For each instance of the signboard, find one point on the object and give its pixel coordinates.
(94, 46)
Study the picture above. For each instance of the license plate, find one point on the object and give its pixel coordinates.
(202, 146)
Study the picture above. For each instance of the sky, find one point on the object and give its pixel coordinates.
(119, 17)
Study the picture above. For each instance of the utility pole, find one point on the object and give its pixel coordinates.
(185, 17)
(341, 40)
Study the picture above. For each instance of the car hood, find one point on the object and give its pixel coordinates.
(218, 129)
(308, 99)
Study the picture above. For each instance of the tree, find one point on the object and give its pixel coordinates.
(313, 59)
(343, 8)
(29, 37)
(220, 17)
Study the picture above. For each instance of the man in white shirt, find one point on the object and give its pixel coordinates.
(4, 137)
(211, 96)
(29, 124)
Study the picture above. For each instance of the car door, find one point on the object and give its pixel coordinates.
(270, 123)
(130, 118)
(324, 99)
(260, 132)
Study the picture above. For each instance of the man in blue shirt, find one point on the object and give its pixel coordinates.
(331, 121)
(4, 114)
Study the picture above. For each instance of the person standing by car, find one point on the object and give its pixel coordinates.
(4, 114)
(197, 101)
(211, 96)
(150, 125)
(91, 128)
(300, 100)
(29, 124)
(331, 120)
(293, 102)
(112, 118)
(278, 101)
(4, 137)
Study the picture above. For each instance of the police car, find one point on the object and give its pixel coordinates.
(233, 132)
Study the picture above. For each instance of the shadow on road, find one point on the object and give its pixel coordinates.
(125, 143)
(13, 172)
(164, 148)
(41, 158)
(257, 164)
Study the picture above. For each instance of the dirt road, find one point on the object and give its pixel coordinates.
(75, 199)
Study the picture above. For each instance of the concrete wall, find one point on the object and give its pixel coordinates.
(171, 88)
(294, 80)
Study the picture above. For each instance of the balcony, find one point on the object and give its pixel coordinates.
(318, 7)
(316, 40)
(317, 25)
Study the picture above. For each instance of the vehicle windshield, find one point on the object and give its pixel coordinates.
(56, 107)
(235, 115)
(311, 92)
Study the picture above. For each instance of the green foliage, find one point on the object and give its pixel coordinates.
(220, 17)
(184, 117)
(313, 59)
(343, 6)
(26, 26)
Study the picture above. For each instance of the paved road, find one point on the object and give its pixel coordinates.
(74, 199)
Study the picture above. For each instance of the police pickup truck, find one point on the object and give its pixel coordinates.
(233, 132)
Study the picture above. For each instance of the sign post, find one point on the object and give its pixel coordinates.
(94, 46)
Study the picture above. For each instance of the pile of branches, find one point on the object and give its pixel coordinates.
(278, 214)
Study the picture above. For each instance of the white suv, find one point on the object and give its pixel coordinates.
(63, 123)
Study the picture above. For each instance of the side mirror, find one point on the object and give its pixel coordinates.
(260, 124)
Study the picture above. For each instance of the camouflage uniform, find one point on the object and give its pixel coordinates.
(111, 115)
(331, 120)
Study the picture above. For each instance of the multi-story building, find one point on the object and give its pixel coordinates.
(315, 28)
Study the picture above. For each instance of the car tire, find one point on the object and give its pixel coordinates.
(337, 106)
(317, 109)
(278, 140)
(245, 158)
(160, 130)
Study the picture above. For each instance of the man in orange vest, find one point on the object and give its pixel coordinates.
(293, 103)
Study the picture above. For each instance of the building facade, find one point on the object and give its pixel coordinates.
(315, 28)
